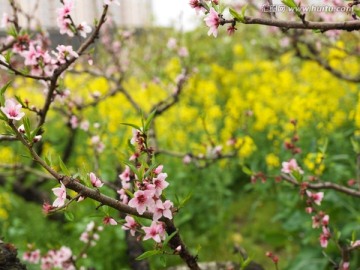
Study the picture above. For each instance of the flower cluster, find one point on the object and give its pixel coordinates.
(65, 22)
(90, 235)
(148, 195)
(319, 218)
(60, 259)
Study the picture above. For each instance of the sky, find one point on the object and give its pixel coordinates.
(176, 13)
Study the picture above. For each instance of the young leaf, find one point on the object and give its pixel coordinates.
(63, 167)
(247, 170)
(185, 200)
(48, 160)
(355, 145)
(236, 15)
(27, 127)
(169, 238)
(245, 263)
(149, 120)
(148, 254)
(131, 125)
(69, 216)
(323, 147)
(150, 169)
(163, 260)
(4, 88)
(357, 12)
(20, 101)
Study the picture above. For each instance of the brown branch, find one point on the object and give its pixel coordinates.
(324, 64)
(323, 26)
(8, 138)
(95, 194)
(166, 104)
(65, 66)
(323, 185)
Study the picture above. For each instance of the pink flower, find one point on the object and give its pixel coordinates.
(355, 243)
(123, 196)
(136, 136)
(158, 169)
(231, 30)
(84, 125)
(324, 237)
(316, 197)
(47, 208)
(83, 29)
(110, 2)
(96, 182)
(109, 221)
(21, 129)
(125, 175)
(183, 52)
(63, 19)
(160, 183)
(5, 20)
(60, 193)
(308, 210)
(155, 232)
(187, 159)
(142, 200)
(171, 44)
(130, 225)
(65, 53)
(315, 221)
(32, 256)
(325, 220)
(345, 266)
(195, 4)
(289, 167)
(37, 138)
(162, 209)
(213, 22)
(12, 110)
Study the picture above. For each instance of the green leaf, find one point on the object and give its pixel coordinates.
(148, 254)
(34, 133)
(63, 167)
(5, 87)
(163, 260)
(324, 146)
(353, 236)
(151, 169)
(169, 238)
(236, 15)
(20, 101)
(69, 216)
(26, 122)
(149, 120)
(247, 170)
(8, 56)
(12, 31)
(131, 125)
(291, 4)
(297, 175)
(48, 160)
(357, 12)
(245, 263)
(185, 200)
(133, 168)
(355, 145)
